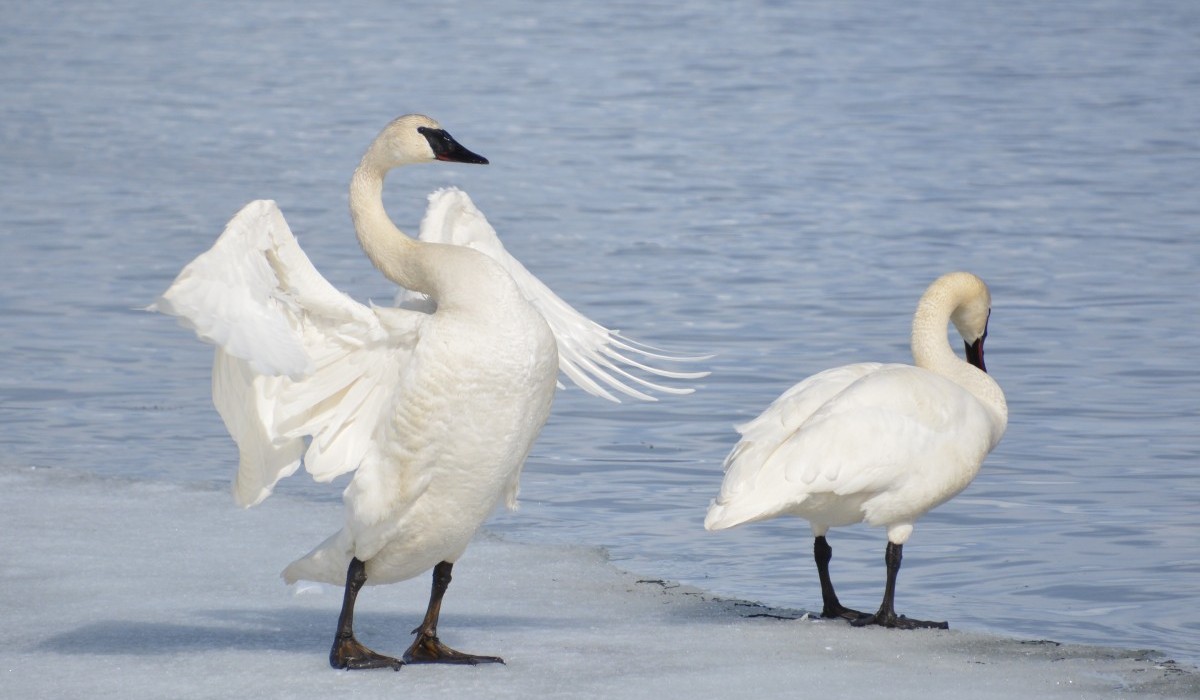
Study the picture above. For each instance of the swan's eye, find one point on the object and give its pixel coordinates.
(433, 136)
(445, 148)
(438, 139)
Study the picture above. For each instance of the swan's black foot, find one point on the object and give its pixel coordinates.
(428, 649)
(900, 622)
(832, 611)
(348, 653)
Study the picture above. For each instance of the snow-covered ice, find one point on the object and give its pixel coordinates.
(139, 589)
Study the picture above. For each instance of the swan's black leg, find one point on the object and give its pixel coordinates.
(887, 616)
(831, 607)
(348, 652)
(428, 649)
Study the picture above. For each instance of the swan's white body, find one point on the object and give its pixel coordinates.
(433, 409)
(880, 443)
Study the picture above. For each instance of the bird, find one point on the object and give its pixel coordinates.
(433, 403)
(880, 443)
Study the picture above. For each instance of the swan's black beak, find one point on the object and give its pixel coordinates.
(446, 148)
(975, 352)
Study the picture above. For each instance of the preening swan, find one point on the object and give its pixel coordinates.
(434, 409)
(875, 443)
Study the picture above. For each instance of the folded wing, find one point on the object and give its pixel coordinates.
(857, 430)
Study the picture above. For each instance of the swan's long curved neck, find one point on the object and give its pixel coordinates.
(389, 248)
(931, 348)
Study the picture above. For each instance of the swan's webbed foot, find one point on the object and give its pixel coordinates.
(886, 616)
(348, 653)
(840, 611)
(428, 649)
(893, 621)
(831, 606)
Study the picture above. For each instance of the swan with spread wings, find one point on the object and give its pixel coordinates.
(433, 404)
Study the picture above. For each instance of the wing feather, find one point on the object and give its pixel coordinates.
(596, 359)
(295, 357)
(763, 435)
(755, 486)
(851, 432)
(894, 431)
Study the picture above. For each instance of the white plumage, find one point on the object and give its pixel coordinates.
(875, 443)
(433, 405)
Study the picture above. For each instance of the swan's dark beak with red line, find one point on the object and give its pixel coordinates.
(975, 350)
(446, 148)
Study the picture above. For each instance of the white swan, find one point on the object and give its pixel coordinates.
(880, 443)
(434, 410)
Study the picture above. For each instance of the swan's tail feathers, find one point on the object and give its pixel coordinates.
(744, 497)
(602, 362)
(724, 514)
(326, 563)
(715, 518)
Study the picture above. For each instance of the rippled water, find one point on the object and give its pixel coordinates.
(773, 182)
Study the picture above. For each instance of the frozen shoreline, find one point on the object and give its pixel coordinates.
(143, 589)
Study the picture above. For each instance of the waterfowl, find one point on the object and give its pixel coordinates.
(434, 405)
(872, 442)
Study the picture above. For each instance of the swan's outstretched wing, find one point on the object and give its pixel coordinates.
(593, 357)
(295, 357)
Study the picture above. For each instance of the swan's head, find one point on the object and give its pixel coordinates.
(970, 315)
(415, 138)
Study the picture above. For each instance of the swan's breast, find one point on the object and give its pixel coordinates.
(468, 406)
